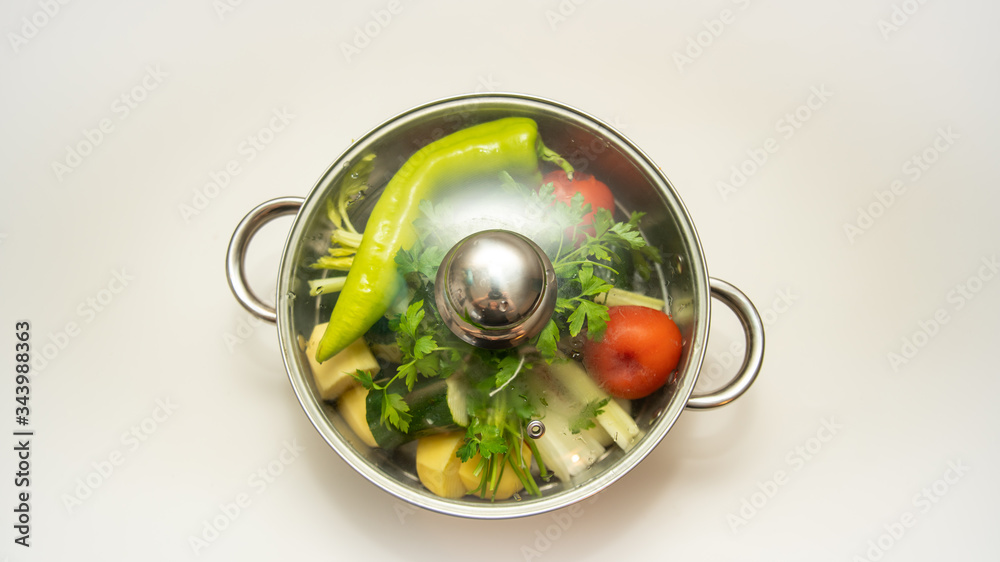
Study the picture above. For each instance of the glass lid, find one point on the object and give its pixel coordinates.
(489, 305)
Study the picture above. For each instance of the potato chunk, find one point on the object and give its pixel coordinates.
(352, 406)
(333, 376)
(438, 463)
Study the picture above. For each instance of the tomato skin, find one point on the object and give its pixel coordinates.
(640, 348)
(593, 190)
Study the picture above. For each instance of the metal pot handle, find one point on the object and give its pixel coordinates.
(754, 330)
(236, 256)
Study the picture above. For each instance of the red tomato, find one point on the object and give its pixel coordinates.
(594, 192)
(640, 349)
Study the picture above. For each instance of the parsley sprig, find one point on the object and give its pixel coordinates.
(421, 355)
(587, 270)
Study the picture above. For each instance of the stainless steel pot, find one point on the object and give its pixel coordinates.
(591, 146)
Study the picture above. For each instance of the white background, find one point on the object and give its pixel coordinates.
(836, 301)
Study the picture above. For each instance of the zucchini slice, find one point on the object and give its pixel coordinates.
(436, 406)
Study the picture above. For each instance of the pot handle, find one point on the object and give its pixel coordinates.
(754, 330)
(236, 256)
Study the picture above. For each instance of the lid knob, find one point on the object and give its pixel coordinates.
(495, 289)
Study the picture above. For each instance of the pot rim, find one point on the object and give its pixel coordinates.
(313, 405)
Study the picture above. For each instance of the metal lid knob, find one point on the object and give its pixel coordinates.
(495, 289)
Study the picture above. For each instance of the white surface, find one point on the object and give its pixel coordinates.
(835, 307)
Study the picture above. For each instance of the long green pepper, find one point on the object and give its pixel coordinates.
(510, 144)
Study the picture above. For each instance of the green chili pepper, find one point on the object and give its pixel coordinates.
(510, 144)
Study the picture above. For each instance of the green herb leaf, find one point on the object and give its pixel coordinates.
(547, 341)
(600, 253)
(421, 260)
(423, 346)
(407, 261)
(468, 449)
(429, 366)
(576, 320)
(510, 185)
(595, 315)
(508, 367)
(431, 217)
(365, 378)
(394, 409)
(585, 420)
(491, 441)
(408, 372)
(629, 235)
(589, 284)
(597, 319)
(410, 321)
(564, 305)
(603, 219)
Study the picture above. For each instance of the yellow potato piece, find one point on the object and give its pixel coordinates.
(437, 464)
(353, 409)
(508, 485)
(333, 376)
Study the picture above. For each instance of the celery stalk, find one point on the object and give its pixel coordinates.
(614, 419)
(621, 297)
(325, 285)
(347, 239)
(565, 453)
